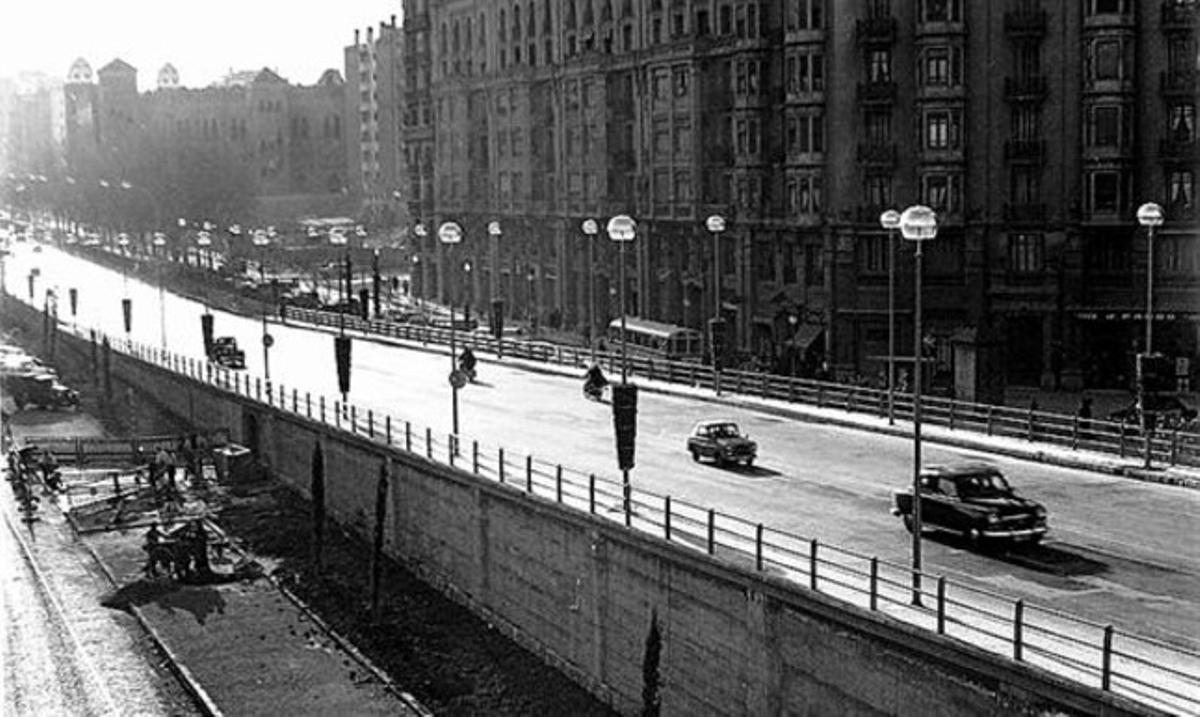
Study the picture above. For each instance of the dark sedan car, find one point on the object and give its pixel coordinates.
(722, 442)
(976, 501)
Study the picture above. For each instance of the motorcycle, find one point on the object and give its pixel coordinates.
(594, 391)
(469, 372)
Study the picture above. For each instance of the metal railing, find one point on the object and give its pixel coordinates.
(1172, 447)
(1100, 655)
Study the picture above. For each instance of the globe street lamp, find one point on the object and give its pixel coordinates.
(1149, 215)
(716, 225)
(451, 234)
(918, 224)
(590, 230)
(622, 229)
(890, 220)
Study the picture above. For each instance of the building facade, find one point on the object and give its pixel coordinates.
(1033, 127)
(374, 75)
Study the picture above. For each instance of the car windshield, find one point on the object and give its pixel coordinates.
(723, 430)
(983, 485)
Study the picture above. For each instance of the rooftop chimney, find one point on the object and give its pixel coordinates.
(356, 38)
(393, 20)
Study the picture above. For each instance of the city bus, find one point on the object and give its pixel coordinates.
(655, 339)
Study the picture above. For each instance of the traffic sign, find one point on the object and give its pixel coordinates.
(268, 340)
(458, 379)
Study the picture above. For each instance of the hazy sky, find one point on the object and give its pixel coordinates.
(202, 38)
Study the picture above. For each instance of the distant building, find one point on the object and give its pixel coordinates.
(374, 76)
(290, 138)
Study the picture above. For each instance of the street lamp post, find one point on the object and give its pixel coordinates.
(421, 232)
(918, 224)
(497, 314)
(159, 241)
(531, 275)
(590, 230)
(890, 220)
(450, 234)
(716, 225)
(622, 230)
(1149, 215)
(262, 239)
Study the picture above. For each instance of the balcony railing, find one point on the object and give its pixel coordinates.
(875, 30)
(1028, 88)
(1025, 213)
(1025, 23)
(1028, 150)
(1181, 83)
(1177, 15)
(879, 155)
(877, 92)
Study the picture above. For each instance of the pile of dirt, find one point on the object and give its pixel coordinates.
(448, 658)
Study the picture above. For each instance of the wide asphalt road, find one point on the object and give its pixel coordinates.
(1120, 551)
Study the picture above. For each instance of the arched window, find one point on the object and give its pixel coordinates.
(503, 26)
(532, 21)
(482, 31)
(516, 29)
(457, 47)
(589, 15)
(570, 18)
(445, 44)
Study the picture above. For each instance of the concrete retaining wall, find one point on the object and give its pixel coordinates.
(583, 591)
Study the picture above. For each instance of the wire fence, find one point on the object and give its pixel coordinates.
(1152, 672)
(1175, 446)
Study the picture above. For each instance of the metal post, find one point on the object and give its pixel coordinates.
(624, 348)
(891, 362)
(592, 294)
(916, 487)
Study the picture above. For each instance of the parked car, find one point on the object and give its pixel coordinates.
(721, 441)
(225, 352)
(39, 389)
(975, 501)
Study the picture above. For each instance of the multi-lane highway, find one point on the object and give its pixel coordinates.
(1120, 551)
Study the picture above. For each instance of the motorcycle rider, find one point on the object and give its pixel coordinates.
(594, 381)
(466, 362)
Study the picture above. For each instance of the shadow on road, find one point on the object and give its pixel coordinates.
(751, 471)
(1052, 559)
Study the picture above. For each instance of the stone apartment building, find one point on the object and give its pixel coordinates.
(374, 65)
(1035, 128)
(290, 139)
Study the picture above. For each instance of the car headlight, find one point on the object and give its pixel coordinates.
(992, 518)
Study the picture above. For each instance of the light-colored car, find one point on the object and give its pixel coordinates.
(722, 442)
